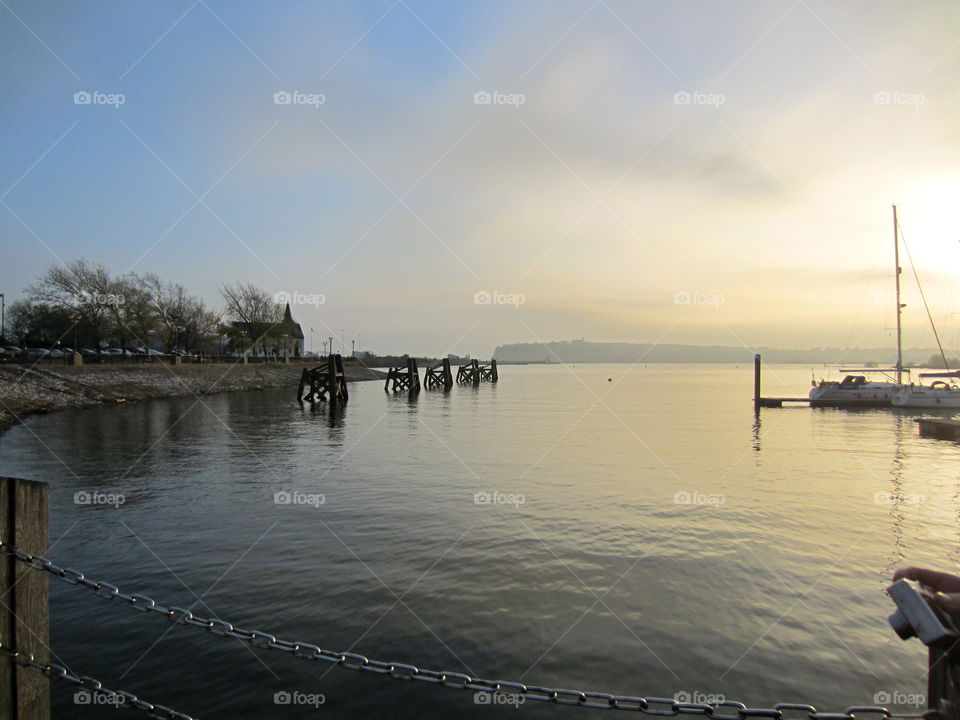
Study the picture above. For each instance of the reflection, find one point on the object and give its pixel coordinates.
(895, 498)
(756, 429)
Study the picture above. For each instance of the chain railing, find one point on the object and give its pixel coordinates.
(665, 707)
(92, 686)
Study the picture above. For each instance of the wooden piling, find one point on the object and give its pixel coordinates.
(24, 605)
(943, 694)
(756, 380)
(401, 379)
(326, 381)
(439, 375)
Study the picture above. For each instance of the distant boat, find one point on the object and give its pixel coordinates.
(855, 390)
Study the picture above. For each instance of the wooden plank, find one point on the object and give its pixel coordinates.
(25, 603)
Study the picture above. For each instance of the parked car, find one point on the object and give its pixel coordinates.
(37, 352)
(87, 352)
(9, 352)
(116, 351)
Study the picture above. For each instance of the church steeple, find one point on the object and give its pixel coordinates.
(287, 317)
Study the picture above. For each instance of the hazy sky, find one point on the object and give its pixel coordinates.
(587, 187)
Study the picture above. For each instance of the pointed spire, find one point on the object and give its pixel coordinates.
(287, 317)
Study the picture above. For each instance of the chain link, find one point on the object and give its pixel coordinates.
(116, 698)
(402, 671)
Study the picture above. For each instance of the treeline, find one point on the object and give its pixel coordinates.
(82, 305)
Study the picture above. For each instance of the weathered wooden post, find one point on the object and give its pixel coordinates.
(24, 607)
(756, 380)
(494, 376)
(942, 692)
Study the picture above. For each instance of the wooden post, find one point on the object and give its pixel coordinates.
(942, 693)
(494, 376)
(24, 607)
(756, 380)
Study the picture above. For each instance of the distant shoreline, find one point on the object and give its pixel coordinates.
(27, 391)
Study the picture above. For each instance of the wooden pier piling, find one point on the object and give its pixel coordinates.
(24, 608)
(439, 375)
(769, 402)
(403, 379)
(326, 379)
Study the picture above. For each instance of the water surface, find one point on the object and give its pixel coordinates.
(666, 543)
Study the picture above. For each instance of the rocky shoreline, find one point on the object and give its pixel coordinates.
(26, 390)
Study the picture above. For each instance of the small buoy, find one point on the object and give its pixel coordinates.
(609, 379)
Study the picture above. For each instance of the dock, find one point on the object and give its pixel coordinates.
(770, 402)
(939, 428)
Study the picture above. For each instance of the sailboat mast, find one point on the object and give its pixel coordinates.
(896, 261)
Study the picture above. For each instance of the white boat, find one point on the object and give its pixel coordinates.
(853, 391)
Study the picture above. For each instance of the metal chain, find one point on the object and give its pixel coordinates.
(116, 698)
(666, 707)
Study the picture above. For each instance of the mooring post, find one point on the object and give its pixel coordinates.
(943, 694)
(493, 371)
(24, 606)
(756, 380)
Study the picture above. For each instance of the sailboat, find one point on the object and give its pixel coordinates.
(855, 390)
(938, 394)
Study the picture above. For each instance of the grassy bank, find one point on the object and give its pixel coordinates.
(25, 391)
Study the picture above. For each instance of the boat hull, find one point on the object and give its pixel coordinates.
(923, 397)
(866, 395)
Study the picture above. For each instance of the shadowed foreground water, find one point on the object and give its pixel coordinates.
(664, 543)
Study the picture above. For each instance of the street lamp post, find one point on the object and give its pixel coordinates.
(3, 317)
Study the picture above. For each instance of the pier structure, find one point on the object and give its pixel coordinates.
(761, 402)
(475, 373)
(325, 382)
(439, 375)
(403, 379)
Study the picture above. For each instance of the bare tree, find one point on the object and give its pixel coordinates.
(247, 303)
(84, 290)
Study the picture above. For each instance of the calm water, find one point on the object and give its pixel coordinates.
(767, 586)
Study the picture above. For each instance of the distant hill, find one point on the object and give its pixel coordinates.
(578, 351)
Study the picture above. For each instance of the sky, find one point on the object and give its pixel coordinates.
(433, 177)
